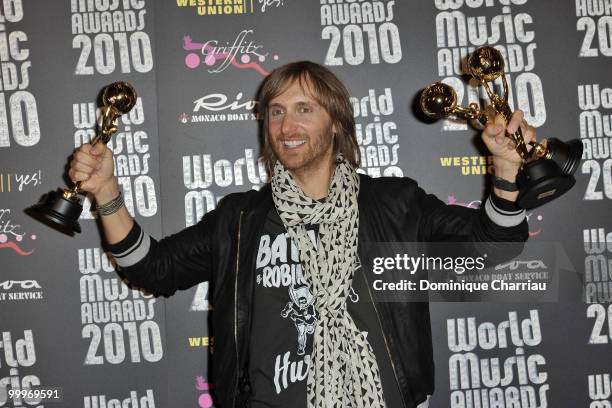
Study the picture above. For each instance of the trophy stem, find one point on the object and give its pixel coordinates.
(505, 86)
(109, 125)
(519, 142)
(472, 112)
(501, 106)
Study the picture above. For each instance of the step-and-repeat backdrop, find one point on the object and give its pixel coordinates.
(68, 321)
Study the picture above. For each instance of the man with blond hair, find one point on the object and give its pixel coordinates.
(293, 249)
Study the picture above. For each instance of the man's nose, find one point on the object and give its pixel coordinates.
(288, 125)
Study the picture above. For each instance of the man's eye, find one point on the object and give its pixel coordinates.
(305, 109)
(276, 112)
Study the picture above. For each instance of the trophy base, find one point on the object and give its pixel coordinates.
(58, 212)
(567, 155)
(541, 181)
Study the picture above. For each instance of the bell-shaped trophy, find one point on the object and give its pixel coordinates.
(548, 167)
(62, 208)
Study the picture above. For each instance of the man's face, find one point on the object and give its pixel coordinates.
(300, 131)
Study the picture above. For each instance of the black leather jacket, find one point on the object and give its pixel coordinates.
(222, 248)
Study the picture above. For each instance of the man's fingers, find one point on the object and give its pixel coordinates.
(87, 159)
(82, 167)
(98, 150)
(515, 121)
(106, 153)
(529, 134)
(84, 164)
(498, 125)
(499, 120)
(85, 148)
(78, 175)
(95, 152)
(511, 145)
(495, 128)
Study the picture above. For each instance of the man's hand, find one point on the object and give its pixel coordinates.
(93, 166)
(505, 158)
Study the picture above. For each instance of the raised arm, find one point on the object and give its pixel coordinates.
(499, 219)
(175, 262)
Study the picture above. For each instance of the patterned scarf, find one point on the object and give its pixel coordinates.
(343, 370)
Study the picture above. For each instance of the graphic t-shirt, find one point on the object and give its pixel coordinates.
(284, 321)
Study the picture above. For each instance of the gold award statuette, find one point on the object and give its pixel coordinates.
(547, 169)
(62, 208)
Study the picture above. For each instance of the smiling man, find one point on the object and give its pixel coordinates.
(295, 322)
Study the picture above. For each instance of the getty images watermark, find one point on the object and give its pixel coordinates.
(458, 265)
(504, 272)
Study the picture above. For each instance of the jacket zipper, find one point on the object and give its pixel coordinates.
(236, 310)
(384, 338)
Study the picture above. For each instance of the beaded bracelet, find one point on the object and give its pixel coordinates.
(112, 206)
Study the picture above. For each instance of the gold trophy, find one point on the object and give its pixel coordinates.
(62, 208)
(547, 169)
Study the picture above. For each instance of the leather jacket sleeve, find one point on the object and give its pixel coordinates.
(175, 262)
(398, 210)
(441, 222)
